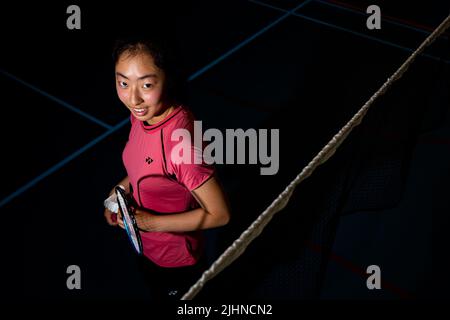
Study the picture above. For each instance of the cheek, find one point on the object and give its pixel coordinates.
(153, 97)
(123, 95)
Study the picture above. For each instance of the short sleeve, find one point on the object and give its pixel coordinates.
(193, 174)
(195, 171)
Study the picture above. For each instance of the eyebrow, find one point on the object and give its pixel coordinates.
(150, 75)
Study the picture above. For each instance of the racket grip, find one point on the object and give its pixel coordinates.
(110, 203)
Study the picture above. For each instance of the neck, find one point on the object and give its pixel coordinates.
(162, 116)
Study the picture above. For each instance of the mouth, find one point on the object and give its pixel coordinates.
(140, 112)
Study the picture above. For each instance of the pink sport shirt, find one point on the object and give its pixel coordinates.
(160, 185)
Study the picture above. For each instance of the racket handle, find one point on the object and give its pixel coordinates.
(111, 203)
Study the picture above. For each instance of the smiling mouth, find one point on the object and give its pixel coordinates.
(140, 111)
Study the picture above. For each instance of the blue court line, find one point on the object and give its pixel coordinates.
(63, 162)
(384, 20)
(57, 100)
(351, 31)
(249, 39)
(125, 121)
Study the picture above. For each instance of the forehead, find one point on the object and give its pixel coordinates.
(136, 64)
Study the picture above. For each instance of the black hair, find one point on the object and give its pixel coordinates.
(165, 57)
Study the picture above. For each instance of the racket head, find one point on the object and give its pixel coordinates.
(126, 213)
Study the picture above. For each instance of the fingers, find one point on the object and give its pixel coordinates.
(111, 218)
(114, 219)
(142, 220)
(120, 222)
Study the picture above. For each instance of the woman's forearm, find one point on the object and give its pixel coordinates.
(196, 219)
(213, 212)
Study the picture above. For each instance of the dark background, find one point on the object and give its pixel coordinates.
(381, 200)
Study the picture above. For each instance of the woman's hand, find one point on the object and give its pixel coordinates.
(143, 219)
(141, 216)
(120, 221)
(111, 217)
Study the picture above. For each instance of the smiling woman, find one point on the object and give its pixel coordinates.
(140, 85)
(173, 201)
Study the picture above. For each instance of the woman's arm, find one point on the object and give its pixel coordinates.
(214, 212)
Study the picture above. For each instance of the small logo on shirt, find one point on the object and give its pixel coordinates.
(148, 160)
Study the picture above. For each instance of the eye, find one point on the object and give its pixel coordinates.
(123, 84)
(147, 85)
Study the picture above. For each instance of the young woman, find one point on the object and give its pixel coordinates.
(175, 201)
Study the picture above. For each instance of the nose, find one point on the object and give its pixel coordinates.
(135, 97)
